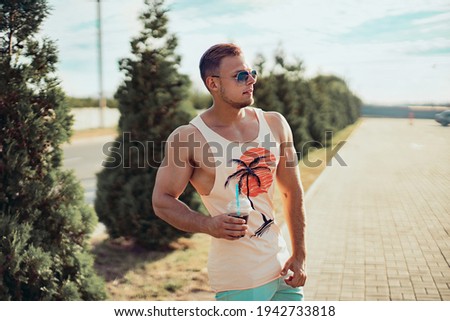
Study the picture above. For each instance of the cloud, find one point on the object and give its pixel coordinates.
(358, 40)
(441, 19)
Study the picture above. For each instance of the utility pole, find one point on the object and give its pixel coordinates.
(102, 100)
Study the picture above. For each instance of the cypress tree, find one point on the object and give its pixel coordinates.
(151, 105)
(44, 222)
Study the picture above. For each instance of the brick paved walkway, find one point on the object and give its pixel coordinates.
(378, 229)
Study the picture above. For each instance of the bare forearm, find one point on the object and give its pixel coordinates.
(179, 215)
(295, 219)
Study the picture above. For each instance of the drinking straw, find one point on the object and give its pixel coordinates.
(238, 205)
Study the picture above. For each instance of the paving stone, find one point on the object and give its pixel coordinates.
(377, 228)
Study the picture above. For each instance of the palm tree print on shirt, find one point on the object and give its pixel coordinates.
(254, 176)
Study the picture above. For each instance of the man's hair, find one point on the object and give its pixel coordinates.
(211, 59)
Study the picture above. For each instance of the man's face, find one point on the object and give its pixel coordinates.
(236, 94)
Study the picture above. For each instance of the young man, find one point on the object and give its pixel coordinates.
(229, 150)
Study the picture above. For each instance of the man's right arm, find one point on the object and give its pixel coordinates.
(171, 180)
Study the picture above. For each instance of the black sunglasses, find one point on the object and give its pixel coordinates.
(242, 76)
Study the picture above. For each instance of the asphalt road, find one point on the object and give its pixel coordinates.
(85, 157)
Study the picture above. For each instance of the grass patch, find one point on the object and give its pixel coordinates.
(132, 273)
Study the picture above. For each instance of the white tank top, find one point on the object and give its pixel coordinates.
(258, 257)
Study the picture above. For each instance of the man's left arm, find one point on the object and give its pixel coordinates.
(289, 183)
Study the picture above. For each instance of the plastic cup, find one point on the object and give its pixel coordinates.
(244, 208)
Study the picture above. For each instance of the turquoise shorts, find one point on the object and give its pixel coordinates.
(276, 290)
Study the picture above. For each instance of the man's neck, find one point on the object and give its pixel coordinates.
(225, 115)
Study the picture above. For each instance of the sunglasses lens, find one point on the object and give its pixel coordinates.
(242, 76)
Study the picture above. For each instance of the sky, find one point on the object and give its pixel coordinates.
(388, 51)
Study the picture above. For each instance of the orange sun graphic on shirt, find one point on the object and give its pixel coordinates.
(254, 171)
(254, 176)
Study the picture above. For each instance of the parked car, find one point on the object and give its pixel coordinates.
(443, 118)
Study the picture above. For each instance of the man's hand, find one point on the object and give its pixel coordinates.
(226, 227)
(298, 268)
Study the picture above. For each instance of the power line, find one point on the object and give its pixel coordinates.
(102, 100)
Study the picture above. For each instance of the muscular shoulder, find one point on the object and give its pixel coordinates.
(184, 133)
(278, 125)
(187, 142)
